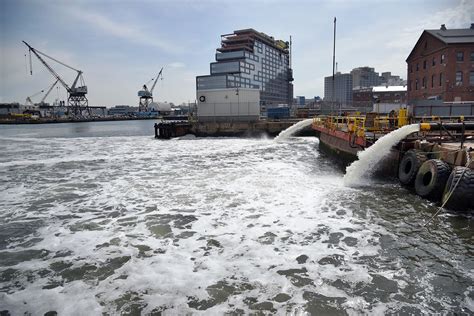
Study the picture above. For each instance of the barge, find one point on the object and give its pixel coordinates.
(437, 161)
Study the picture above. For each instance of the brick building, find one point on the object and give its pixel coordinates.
(441, 66)
(392, 97)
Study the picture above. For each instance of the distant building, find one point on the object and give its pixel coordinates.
(300, 101)
(123, 110)
(441, 67)
(10, 108)
(363, 77)
(342, 89)
(387, 79)
(382, 99)
(248, 59)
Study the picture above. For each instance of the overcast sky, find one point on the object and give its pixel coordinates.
(120, 45)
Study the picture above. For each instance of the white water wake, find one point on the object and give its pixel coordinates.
(293, 129)
(358, 172)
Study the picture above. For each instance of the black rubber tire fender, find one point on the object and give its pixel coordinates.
(431, 179)
(462, 198)
(409, 165)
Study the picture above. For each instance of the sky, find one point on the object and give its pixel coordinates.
(122, 44)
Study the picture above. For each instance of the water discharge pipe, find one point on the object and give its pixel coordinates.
(447, 126)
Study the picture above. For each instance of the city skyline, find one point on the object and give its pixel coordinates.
(122, 45)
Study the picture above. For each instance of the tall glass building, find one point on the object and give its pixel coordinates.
(251, 59)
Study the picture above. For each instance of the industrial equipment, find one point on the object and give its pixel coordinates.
(30, 102)
(77, 102)
(48, 92)
(28, 99)
(146, 96)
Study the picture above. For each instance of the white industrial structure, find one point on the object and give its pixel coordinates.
(236, 104)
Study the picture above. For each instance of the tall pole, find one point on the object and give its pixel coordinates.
(333, 66)
(290, 95)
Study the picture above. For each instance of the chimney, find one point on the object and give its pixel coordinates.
(472, 26)
(443, 27)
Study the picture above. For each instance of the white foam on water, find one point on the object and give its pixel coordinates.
(293, 129)
(359, 171)
(188, 216)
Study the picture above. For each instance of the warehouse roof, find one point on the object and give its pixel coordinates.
(454, 36)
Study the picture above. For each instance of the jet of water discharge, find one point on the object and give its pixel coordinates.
(293, 129)
(358, 172)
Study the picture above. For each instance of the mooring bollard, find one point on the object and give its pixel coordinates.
(156, 130)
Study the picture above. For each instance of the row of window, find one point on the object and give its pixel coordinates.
(460, 79)
(437, 80)
(459, 58)
(251, 56)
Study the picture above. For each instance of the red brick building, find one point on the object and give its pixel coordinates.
(380, 94)
(441, 66)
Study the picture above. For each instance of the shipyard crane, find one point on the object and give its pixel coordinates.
(77, 101)
(145, 95)
(48, 92)
(30, 102)
(28, 99)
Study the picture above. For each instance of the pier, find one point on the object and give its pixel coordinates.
(170, 129)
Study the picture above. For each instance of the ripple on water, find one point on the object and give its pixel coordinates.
(218, 226)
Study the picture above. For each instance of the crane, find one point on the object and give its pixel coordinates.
(145, 95)
(28, 99)
(77, 100)
(48, 92)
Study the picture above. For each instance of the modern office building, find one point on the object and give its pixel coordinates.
(251, 60)
(387, 79)
(441, 67)
(342, 89)
(364, 77)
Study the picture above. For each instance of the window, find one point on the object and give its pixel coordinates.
(458, 78)
(434, 62)
(471, 78)
(459, 56)
(442, 58)
(440, 79)
(472, 56)
(424, 64)
(416, 84)
(432, 81)
(423, 83)
(417, 66)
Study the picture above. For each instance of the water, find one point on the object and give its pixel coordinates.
(293, 129)
(359, 172)
(130, 225)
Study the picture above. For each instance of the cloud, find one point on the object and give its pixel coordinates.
(459, 16)
(127, 31)
(176, 64)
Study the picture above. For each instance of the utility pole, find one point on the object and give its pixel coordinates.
(333, 66)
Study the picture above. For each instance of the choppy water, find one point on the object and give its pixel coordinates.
(130, 225)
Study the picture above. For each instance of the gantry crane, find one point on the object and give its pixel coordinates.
(77, 101)
(145, 95)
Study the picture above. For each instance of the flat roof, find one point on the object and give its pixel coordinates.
(389, 88)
